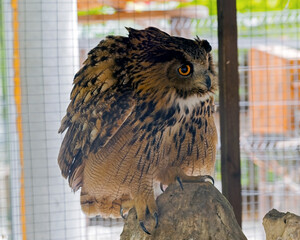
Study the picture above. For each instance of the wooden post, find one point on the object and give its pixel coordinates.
(229, 104)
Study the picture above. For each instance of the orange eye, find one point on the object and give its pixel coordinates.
(185, 70)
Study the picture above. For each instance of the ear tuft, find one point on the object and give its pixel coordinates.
(156, 32)
(205, 44)
(132, 32)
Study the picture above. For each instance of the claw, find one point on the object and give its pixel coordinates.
(156, 219)
(121, 213)
(180, 183)
(144, 228)
(211, 178)
(161, 187)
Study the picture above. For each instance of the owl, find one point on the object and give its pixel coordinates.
(140, 113)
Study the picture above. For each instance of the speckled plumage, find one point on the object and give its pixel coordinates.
(134, 120)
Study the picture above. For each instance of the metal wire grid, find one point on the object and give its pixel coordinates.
(270, 159)
(270, 164)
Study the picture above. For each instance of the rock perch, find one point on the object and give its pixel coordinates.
(281, 226)
(199, 211)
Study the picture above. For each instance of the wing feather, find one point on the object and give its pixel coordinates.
(100, 104)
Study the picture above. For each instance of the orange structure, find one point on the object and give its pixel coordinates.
(274, 79)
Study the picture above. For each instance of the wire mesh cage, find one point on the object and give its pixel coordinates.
(44, 43)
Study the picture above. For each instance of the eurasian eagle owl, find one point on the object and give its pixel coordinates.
(140, 112)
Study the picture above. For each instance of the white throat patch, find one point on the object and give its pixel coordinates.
(190, 102)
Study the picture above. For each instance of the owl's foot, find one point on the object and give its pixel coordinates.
(191, 179)
(143, 207)
(201, 179)
(174, 174)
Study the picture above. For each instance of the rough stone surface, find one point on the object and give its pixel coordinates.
(281, 226)
(199, 211)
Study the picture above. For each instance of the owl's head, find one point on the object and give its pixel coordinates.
(169, 65)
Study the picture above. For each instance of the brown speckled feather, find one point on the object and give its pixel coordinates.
(97, 110)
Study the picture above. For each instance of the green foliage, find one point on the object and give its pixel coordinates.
(211, 5)
(242, 6)
(96, 11)
(248, 6)
(266, 5)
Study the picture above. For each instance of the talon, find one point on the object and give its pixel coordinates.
(161, 187)
(156, 219)
(144, 228)
(121, 213)
(180, 183)
(211, 178)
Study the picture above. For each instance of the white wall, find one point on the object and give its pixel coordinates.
(48, 62)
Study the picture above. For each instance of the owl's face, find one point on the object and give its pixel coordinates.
(165, 65)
